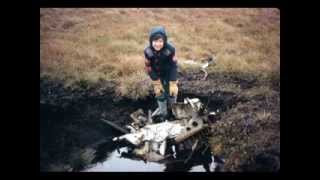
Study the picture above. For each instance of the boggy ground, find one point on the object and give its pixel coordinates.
(246, 133)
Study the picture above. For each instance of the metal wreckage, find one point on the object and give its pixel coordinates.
(179, 140)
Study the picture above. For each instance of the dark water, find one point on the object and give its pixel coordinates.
(67, 135)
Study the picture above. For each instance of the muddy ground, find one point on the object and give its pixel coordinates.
(246, 134)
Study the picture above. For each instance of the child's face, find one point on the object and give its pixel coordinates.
(157, 44)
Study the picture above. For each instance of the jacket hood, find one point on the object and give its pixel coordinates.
(158, 30)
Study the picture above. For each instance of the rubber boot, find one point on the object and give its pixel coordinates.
(163, 109)
(171, 101)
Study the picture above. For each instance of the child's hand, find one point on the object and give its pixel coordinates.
(157, 86)
(173, 88)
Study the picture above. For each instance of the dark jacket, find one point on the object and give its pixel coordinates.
(161, 64)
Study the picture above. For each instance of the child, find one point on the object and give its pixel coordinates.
(161, 66)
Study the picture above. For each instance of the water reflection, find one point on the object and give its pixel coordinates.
(116, 163)
(114, 157)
